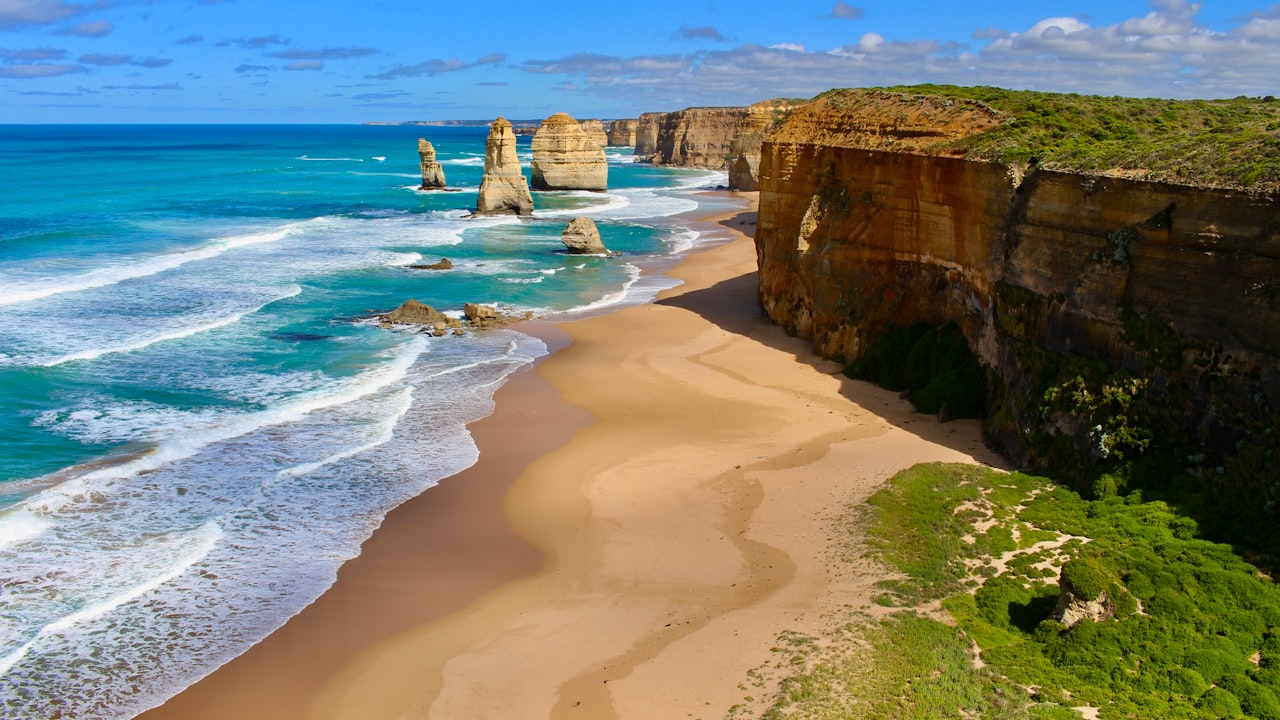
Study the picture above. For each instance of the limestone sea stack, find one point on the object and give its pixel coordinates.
(647, 135)
(595, 130)
(432, 173)
(566, 158)
(582, 237)
(622, 133)
(504, 189)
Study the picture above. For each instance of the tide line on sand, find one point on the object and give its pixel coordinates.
(670, 477)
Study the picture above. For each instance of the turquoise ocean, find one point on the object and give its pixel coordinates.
(200, 421)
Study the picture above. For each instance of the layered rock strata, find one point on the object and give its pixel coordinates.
(621, 133)
(698, 137)
(432, 172)
(582, 237)
(503, 188)
(594, 129)
(566, 158)
(1116, 317)
(647, 135)
(748, 138)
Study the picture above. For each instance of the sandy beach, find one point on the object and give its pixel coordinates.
(651, 508)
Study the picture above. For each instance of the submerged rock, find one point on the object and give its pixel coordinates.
(566, 158)
(582, 237)
(504, 188)
(432, 172)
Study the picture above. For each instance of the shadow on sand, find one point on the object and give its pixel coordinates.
(733, 305)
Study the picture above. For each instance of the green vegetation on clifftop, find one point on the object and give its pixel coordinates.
(1228, 143)
(1190, 629)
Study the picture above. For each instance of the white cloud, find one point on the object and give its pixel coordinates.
(14, 13)
(1165, 52)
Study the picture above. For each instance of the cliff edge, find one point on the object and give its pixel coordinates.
(1128, 325)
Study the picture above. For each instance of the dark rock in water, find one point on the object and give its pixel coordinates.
(413, 312)
(444, 264)
(582, 237)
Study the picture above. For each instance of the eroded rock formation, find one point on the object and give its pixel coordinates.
(594, 129)
(432, 172)
(697, 137)
(748, 138)
(621, 133)
(1070, 288)
(566, 158)
(647, 135)
(582, 237)
(503, 188)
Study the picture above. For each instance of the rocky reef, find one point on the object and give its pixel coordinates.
(566, 158)
(432, 172)
(503, 188)
(621, 133)
(1129, 329)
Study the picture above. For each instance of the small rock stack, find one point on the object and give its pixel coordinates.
(432, 172)
(504, 188)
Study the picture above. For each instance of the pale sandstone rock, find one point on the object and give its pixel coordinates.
(582, 237)
(647, 135)
(504, 188)
(432, 172)
(566, 158)
(594, 129)
(744, 147)
(412, 312)
(622, 133)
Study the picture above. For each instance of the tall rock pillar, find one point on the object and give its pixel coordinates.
(504, 188)
(432, 173)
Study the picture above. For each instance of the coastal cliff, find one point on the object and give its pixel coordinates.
(646, 139)
(715, 138)
(621, 133)
(1129, 329)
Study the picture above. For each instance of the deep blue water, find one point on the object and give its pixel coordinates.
(200, 421)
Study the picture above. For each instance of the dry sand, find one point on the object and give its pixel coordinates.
(681, 530)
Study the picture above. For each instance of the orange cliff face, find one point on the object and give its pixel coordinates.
(865, 226)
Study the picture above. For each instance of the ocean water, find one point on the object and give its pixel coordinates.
(199, 420)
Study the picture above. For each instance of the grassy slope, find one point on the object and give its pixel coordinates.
(1196, 632)
(1227, 143)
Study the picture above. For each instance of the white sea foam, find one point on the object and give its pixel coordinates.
(385, 430)
(380, 158)
(196, 546)
(225, 427)
(469, 161)
(19, 525)
(27, 291)
(176, 334)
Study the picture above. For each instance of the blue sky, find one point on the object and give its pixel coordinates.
(237, 61)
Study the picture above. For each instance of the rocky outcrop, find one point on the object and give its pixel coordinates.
(748, 138)
(582, 237)
(444, 264)
(1117, 318)
(647, 135)
(487, 316)
(621, 133)
(565, 158)
(503, 188)
(594, 129)
(432, 172)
